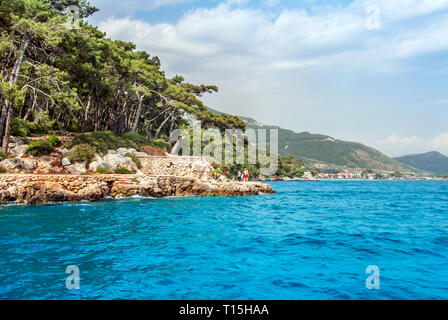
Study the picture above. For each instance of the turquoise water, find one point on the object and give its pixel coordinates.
(312, 240)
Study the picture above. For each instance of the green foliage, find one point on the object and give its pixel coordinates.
(55, 141)
(290, 167)
(102, 141)
(222, 169)
(36, 128)
(2, 155)
(397, 174)
(21, 128)
(85, 8)
(82, 152)
(317, 148)
(135, 159)
(161, 144)
(121, 170)
(136, 138)
(102, 170)
(81, 81)
(39, 148)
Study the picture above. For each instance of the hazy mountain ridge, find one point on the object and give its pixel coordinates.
(431, 161)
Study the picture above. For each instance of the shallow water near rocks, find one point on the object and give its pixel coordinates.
(311, 240)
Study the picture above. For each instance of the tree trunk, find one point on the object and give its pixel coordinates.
(139, 111)
(31, 107)
(176, 147)
(96, 125)
(41, 108)
(173, 122)
(86, 112)
(123, 123)
(157, 135)
(148, 125)
(9, 105)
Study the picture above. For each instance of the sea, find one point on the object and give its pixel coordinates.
(321, 240)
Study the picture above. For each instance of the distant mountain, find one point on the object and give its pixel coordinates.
(324, 151)
(431, 161)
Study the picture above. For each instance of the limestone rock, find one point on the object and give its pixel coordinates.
(11, 164)
(99, 162)
(113, 161)
(65, 162)
(124, 151)
(19, 150)
(140, 154)
(77, 168)
(28, 164)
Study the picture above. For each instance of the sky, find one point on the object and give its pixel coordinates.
(371, 71)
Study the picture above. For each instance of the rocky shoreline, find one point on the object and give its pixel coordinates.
(54, 178)
(40, 189)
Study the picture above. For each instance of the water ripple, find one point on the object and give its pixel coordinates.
(308, 241)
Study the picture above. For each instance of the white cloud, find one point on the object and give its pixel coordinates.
(261, 59)
(293, 39)
(398, 146)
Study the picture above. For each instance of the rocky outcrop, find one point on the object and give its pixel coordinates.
(116, 159)
(77, 168)
(36, 189)
(55, 177)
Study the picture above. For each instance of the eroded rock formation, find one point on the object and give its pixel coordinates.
(36, 189)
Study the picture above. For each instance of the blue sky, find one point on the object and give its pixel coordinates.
(373, 71)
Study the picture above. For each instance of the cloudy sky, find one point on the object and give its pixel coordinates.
(373, 71)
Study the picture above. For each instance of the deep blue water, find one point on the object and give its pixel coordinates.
(312, 240)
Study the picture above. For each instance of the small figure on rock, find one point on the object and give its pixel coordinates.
(246, 175)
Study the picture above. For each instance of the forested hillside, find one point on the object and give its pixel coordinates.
(78, 80)
(323, 149)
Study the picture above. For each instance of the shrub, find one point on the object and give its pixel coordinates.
(101, 141)
(40, 148)
(2, 169)
(2, 155)
(102, 170)
(22, 128)
(19, 128)
(135, 159)
(121, 170)
(82, 152)
(35, 128)
(221, 169)
(161, 144)
(136, 138)
(54, 141)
